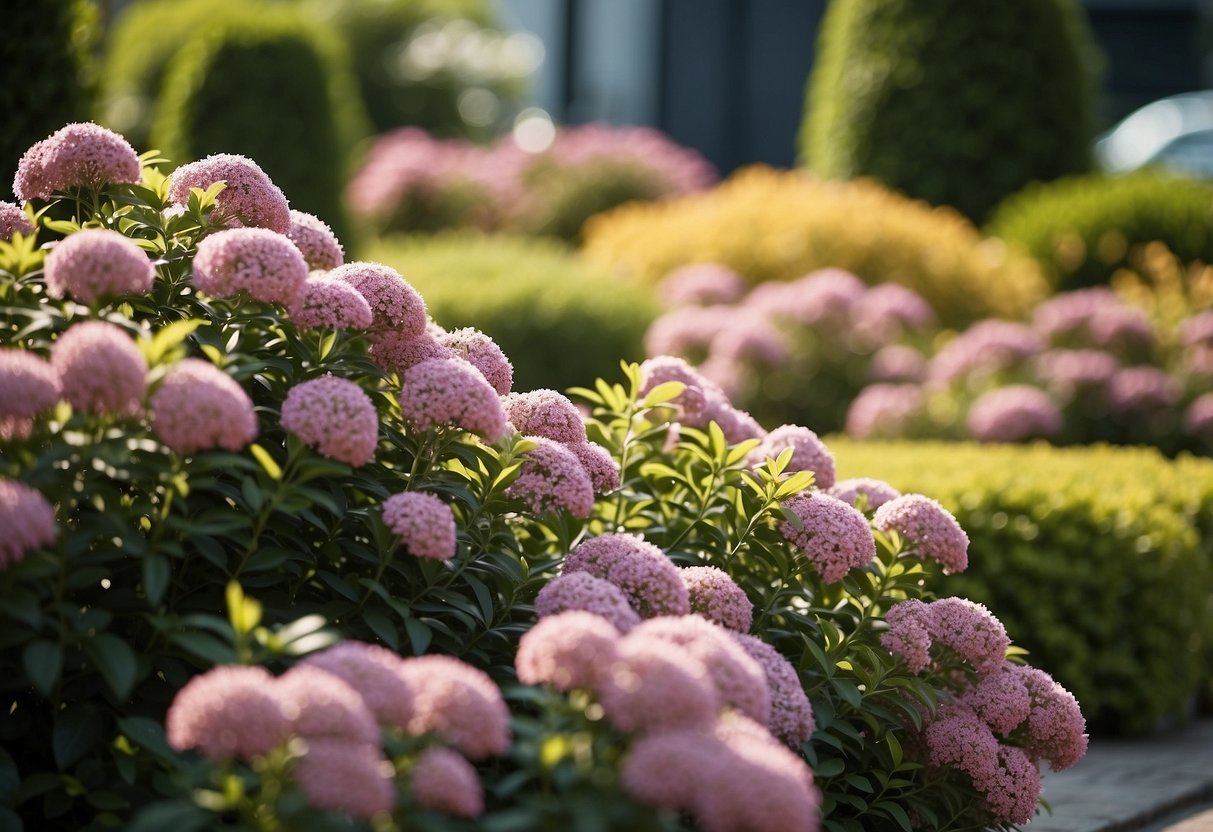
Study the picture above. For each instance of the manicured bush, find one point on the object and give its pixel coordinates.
(1096, 558)
(47, 48)
(779, 225)
(1082, 229)
(533, 297)
(956, 103)
(274, 86)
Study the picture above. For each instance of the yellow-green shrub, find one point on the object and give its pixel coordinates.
(561, 322)
(778, 225)
(1095, 558)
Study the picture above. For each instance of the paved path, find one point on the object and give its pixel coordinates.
(1158, 784)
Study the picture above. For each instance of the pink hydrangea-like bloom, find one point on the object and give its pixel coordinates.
(29, 385)
(654, 686)
(791, 714)
(730, 375)
(986, 347)
(751, 338)
(897, 364)
(13, 220)
(249, 198)
(1195, 330)
(737, 425)
(553, 479)
(335, 416)
(909, 634)
(100, 367)
(27, 522)
(832, 535)
(1012, 794)
(671, 168)
(585, 592)
(929, 530)
(884, 411)
(395, 304)
(650, 580)
(1071, 372)
(1056, 727)
(739, 679)
(701, 284)
(567, 650)
(875, 493)
(261, 263)
(971, 631)
(450, 391)
(822, 297)
(321, 704)
(1135, 390)
(1001, 699)
(229, 711)
(884, 312)
(342, 776)
(96, 263)
(198, 406)
(1013, 414)
(423, 522)
(80, 155)
(1198, 419)
(672, 769)
(958, 738)
(663, 368)
(687, 330)
(315, 241)
(372, 671)
(545, 413)
(598, 463)
(1064, 316)
(324, 303)
(718, 598)
(484, 354)
(396, 352)
(458, 703)
(809, 453)
(1121, 328)
(444, 781)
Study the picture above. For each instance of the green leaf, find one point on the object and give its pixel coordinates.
(43, 661)
(243, 612)
(420, 635)
(147, 734)
(176, 815)
(116, 661)
(166, 338)
(830, 768)
(156, 573)
(894, 748)
(662, 393)
(76, 731)
(204, 646)
(897, 812)
(267, 462)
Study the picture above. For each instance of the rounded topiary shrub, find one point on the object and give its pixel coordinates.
(956, 103)
(1083, 229)
(770, 225)
(533, 296)
(274, 85)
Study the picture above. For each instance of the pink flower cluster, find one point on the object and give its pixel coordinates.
(933, 634)
(29, 386)
(13, 221)
(986, 348)
(718, 598)
(198, 406)
(701, 284)
(315, 241)
(335, 416)
(27, 522)
(81, 155)
(1012, 414)
(545, 413)
(424, 524)
(395, 304)
(101, 369)
(261, 263)
(874, 493)
(929, 530)
(96, 263)
(249, 197)
(451, 391)
(483, 353)
(883, 411)
(585, 592)
(651, 582)
(831, 535)
(324, 303)
(809, 453)
(553, 479)
(335, 701)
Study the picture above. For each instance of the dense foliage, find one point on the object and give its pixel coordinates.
(770, 225)
(956, 103)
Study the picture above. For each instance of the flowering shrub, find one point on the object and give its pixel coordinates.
(383, 540)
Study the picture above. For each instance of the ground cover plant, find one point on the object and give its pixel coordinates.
(274, 544)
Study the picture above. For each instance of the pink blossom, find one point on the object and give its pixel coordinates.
(671, 168)
(100, 368)
(1198, 419)
(1056, 727)
(397, 353)
(1000, 698)
(1072, 372)
(897, 364)
(809, 453)
(584, 592)
(198, 406)
(791, 714)
(484, 354)
(395, 304)
(718, 598)
(96, 263)
(80, 155)
(884, 411)
(663, 368)
(654, 686)
(229, 711)
(458, 703)
(29, 386)
(730, 376)
(686, 330)
(335, 416)
(249, 198)
(651, 582)
(1121, 328)
(320, 704)
(444, 781)
(886, 311)
(1012, 414)
(737, 425)
(450, 391)
(423, 522)
(701, 284)
(971, 631)
(671, 769)
(929, 530)
(13, 220)
(875, 493)
(545, 413)
(343, 776)
(1136, 390)
(567, 650)
(553, 479)
(27, 522)
(831, 535)
(986, 347)
(958, 738)
(598, 463)
(1194, 330)
(1011, 795)
(825, 296)
(315, 241)
(1067, 315)
(263, 264)
(909, 634)
(324, 303)
(751, 338)
(375, 673)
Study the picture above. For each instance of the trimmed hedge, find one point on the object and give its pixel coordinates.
(1097, 560)
(779, 225)
(953, 102)
(1082, 229)
(533, 297)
